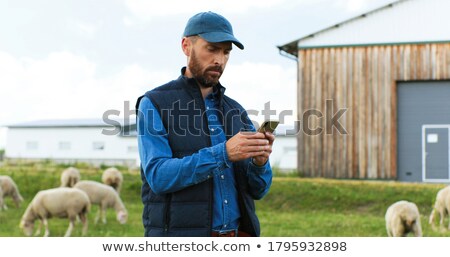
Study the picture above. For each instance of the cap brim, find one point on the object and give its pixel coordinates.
(218, 37)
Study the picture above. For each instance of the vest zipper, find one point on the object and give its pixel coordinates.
(167, 214)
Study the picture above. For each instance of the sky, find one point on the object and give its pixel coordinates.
(80, 58)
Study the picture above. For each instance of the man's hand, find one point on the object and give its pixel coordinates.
(250, 145)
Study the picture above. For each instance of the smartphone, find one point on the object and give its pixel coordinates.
(268, 126)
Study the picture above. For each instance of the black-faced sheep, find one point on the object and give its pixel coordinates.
(441, 206)
(59, 202)
(9, 188)
(69, 177)
(106, 197)
(402, 218)
(113, 177)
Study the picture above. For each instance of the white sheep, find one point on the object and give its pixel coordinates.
(442, 206)
(403, 217)
(1, 199)
(70, 177)
(106, 197)
(59, 202)
(113, 177)
(9, 188)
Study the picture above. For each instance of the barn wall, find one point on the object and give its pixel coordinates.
(361, 79)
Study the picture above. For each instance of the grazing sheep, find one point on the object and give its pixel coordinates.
(402, 218)
(113, 177)
(106, 197)
(442, 206)
(70, 177)
(9, 188)
(1, 199)
(59, 202)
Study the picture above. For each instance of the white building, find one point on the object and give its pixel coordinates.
(94, 141)
(284, 150)
(87, 140)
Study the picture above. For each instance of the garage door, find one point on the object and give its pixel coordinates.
(423, 122)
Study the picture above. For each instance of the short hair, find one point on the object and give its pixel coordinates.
(193, 38)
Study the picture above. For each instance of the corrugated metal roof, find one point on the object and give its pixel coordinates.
(412, 21)
(291, 48)
(73, 123)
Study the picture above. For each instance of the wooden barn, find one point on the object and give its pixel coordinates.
(374, 95)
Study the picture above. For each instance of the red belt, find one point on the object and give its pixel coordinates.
(231, 233)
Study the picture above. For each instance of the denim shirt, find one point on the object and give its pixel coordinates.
(166, 174)
(225, 207)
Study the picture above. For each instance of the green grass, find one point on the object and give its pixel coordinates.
(294, 206)
(326, 207)
(32, 177)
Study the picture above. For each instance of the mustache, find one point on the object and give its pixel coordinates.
(215, 68)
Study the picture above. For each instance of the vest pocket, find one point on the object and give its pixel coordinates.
(189, 215)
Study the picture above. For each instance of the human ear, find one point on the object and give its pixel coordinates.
(186, 45)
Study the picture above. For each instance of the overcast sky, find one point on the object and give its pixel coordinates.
(62, 59)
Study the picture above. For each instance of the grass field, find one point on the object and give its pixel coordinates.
(294, 206)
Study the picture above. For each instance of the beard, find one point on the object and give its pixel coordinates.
(202, 77)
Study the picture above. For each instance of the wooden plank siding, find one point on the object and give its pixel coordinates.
(361, 79)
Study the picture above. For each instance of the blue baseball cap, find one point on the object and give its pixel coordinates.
(212, 27)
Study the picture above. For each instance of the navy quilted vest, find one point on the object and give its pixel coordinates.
(188, 212)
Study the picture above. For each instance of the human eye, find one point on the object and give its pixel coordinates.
(211, 48)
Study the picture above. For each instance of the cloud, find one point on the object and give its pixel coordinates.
(352, 5)
(86, 29)
(64, 85)
(146, 10)
(255, 85)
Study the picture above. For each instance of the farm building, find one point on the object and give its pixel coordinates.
(96, 142)
(284, 149)
(373, 95)
(87, 140)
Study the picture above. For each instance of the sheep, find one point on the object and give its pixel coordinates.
(9, 188)
(106, 197)
(442, 206)
(70, 177)
(402, 218)
(59, 202)
(113, 177)
(1, 199)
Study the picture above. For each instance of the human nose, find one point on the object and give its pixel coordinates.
(220, 59)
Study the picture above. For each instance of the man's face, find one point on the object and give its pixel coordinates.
(207, 61)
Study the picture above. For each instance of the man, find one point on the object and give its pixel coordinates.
(202, 167)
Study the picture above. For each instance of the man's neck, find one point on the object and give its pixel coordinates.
(206, 91)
